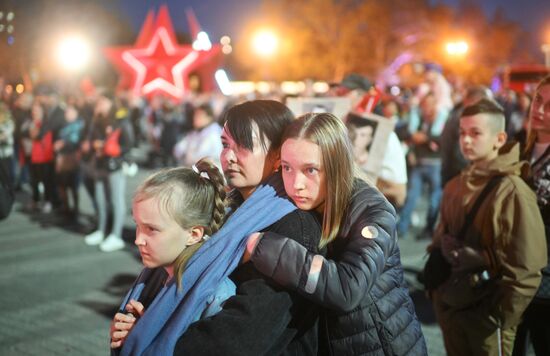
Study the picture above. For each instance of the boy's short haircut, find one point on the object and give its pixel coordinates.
(491, 108)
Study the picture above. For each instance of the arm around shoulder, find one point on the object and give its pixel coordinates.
(338, 283)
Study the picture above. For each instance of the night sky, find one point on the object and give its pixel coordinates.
(219, 18)
(533, 15)
(216, 17)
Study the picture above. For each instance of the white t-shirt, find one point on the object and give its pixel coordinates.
(394, 166)
(198, 144)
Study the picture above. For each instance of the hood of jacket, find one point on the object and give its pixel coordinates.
(507, 163)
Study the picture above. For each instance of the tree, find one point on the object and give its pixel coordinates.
(325, 39)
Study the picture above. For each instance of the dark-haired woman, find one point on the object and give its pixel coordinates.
(263, 318)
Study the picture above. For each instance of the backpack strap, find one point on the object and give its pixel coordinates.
(468, 220)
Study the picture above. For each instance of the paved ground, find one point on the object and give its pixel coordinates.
(58, 295)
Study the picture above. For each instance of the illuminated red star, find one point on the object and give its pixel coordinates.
(162, 65)
(158, 64)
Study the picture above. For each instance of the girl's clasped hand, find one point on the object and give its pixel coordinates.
(123, 323)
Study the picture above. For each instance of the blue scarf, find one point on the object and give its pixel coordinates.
(171, 312)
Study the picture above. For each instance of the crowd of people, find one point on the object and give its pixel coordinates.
(51, 144)
(320, 273)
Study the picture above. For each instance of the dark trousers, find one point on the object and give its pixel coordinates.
(68, 181)
(6, 166)
(535, 328)
(45, 173)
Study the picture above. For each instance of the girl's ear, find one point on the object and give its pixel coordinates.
(276, 159)
(196, 234)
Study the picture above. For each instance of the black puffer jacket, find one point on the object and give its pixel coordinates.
(368, 310)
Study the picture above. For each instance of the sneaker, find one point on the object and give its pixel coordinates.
(95, 238)
(415, 219)
(129, 169)
(47, 208)
(112, 243)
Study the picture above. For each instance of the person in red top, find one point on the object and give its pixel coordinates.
(42, 159)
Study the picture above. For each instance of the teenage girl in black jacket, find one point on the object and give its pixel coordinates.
(367, 308)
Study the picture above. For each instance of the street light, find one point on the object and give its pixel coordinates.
(457, 48)
(202, 43)
(73, 53)
(223, 82)
(265, 43)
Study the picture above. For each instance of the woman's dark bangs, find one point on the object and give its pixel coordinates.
(239, 127)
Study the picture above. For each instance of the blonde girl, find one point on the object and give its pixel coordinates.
(175, 211)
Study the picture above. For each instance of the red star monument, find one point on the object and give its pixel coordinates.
(157, 64)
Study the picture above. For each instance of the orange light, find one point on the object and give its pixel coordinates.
(265, 43)
(457, 48)
(73, 53)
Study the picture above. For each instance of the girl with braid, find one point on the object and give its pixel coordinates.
(175, 211)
